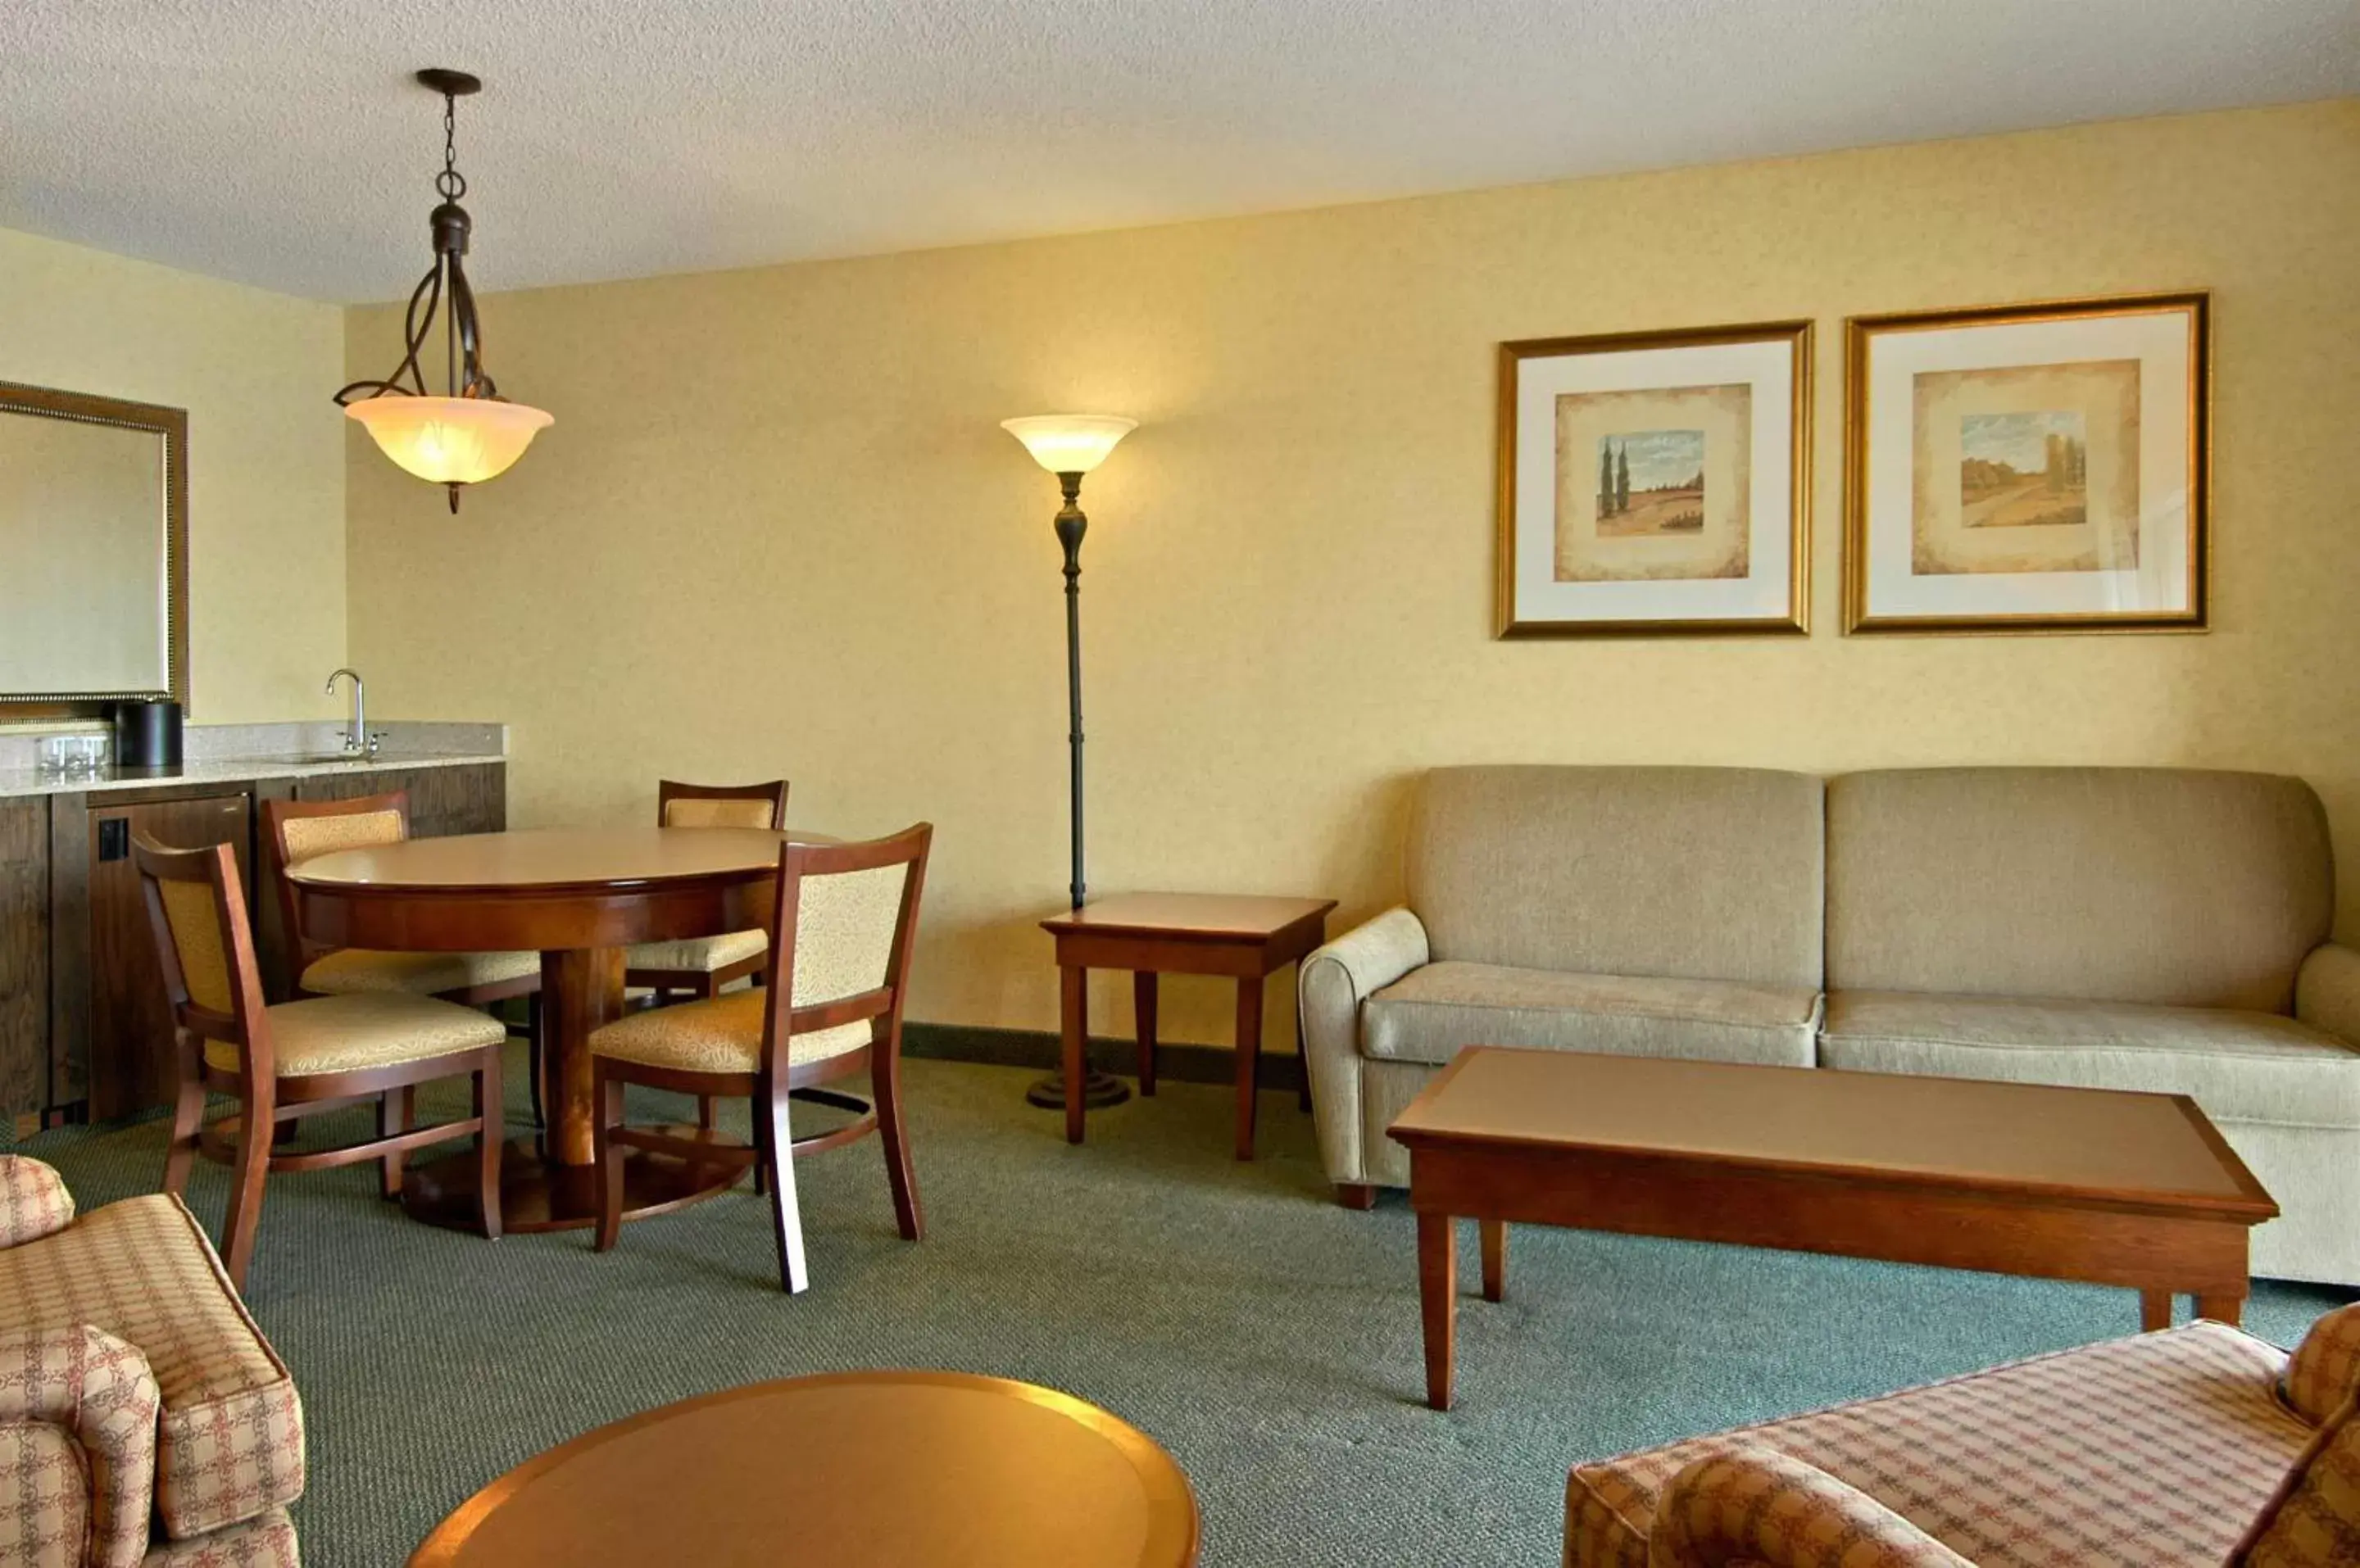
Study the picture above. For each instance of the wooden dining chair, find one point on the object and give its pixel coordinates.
(294, 832)
(300, 1058)
(831, 1006)
(702, 966)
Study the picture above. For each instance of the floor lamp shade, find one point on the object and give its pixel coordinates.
(1069, 444)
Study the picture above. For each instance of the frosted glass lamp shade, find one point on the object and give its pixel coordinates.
(1069, 444)
(450, 440)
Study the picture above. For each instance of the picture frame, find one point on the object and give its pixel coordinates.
(1655, 484)
(2029, 468)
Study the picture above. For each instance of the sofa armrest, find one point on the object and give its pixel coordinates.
(34, 1202)
(1752, 1505)
(1335, 980)
(2327, 991)
(83, 1388)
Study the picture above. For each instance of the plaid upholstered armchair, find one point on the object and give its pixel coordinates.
(145, 1422)
(2199, 1446)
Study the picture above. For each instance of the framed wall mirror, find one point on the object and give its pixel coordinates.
(93, 552)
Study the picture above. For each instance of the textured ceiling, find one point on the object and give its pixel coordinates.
(281, 142)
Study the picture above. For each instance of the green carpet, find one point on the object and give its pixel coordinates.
(1268, 1338)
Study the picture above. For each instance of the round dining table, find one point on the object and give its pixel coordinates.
(579, 896)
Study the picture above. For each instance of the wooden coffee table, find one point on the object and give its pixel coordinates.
(1246, 936)
(851, 1469)
(2090, 1184)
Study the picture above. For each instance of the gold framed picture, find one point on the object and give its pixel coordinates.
(1656, 483)
(2028, 468)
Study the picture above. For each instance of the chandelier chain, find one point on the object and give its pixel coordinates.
(451, 182)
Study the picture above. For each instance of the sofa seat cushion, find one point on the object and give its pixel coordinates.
(230, 1443)
(2156, 1448)
(2241, 1067)
(1435, 1011)
(268, 1541)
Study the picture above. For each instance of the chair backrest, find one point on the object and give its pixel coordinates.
(295, 831)
(1682, 873)
(681, 805)
(2175, 887)
(846, 916)
(196, 906)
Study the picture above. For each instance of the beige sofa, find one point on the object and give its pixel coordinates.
(2151, 928)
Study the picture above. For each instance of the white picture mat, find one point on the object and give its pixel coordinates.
(2159, 342)
(1768, 367)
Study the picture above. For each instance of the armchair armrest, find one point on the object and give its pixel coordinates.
(2327, 991)
(34, 1202)
(1334, 981)
(1750, 1504)
(78, 1410)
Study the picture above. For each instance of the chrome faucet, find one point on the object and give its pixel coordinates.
(358, 742)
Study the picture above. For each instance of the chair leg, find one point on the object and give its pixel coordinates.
(188, 1121)
(607, 1093)
(489, 1139)
(397, 1112)
(885, 1088)
(534, 1065)
(252, 1167)
(786, 1215)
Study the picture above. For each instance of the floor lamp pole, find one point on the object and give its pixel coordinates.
(1098, 1088)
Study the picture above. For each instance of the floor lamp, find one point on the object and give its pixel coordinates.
(1070, 445)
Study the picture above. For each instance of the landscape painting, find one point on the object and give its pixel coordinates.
(2027, 469)
(2020, 471)
(1651, 481)
(1654, 484)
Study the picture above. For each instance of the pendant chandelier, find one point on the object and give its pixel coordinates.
(470, 433)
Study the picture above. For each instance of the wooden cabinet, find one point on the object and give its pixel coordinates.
(131, 1065)
(23, 955)
(84, 1027)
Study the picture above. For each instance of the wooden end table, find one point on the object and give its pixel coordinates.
(2100, 1185)
(1179, 933)
(852, 1469)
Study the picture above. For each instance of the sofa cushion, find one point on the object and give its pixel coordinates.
(34, 1202)
(2166, 886)
(2245, 1067)
(1434, 1012)
(1700, 873)
(230, 1445)
(2155, 1449)
(2313, 1520)
(266, 1540)
(2325, 1370)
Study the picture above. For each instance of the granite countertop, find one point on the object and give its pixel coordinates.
(236, 754)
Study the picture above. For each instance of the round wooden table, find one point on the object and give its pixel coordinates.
(579, 896)
(846, 1470)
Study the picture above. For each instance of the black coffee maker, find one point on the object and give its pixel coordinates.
(148, 734)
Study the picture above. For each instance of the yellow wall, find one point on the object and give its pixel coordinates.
(776, 529)
(266, 466)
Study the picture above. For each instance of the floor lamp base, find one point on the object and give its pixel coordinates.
(1099, 1090)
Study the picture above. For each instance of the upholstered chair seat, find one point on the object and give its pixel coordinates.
(354, 969)
(366, 1029)
(697, 955)
(723, 1035)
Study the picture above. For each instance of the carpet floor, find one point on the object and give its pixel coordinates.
(1268, 1338)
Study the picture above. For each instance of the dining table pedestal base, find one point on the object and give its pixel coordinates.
(537, 1194)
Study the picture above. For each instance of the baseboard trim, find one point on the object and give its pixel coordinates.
(1179, 1062)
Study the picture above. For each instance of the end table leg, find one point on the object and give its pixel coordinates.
(1074, 1014)
(2223, 1308)
(1496, 1258)
(1249, 1060)
(1437, 1296)
(1142, 999)
(2155, 1310)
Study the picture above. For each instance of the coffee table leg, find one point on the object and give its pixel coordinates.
(1437, 1295)
(1496, 1258)
(1142, 1001)
(2155, 1310)
(1075, 1016)
(1249, 1060)
(2223, 1308)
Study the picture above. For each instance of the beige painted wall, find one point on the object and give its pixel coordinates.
(265, 460)
(776, 529)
